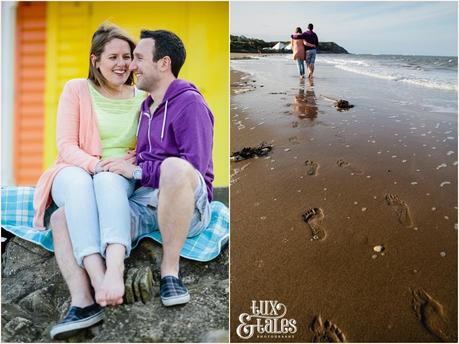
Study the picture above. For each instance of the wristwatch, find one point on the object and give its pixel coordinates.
(137, 174)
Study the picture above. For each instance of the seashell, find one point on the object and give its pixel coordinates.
(378, 248)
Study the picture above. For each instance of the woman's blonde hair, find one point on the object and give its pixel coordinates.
(103, 35)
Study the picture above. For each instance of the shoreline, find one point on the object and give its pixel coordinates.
(276, 258)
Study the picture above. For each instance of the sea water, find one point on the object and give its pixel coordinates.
(426, 83)
(437, 72)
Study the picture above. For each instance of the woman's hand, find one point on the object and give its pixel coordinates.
(101, 166)
(98, 167)
(119, 166)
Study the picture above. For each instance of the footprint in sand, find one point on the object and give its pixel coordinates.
(401, 209)
(313, 217)
(342, 163)
(345, 164)
(294, 140)
(431, 314)
(326, 332)
(312, 167)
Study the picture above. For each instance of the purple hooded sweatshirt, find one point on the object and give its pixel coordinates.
(181, 126)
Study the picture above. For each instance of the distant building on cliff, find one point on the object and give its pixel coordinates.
(280, 46)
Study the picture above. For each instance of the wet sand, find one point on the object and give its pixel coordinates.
(377, 255)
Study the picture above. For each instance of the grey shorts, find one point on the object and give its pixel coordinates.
(144, 210)
(311, 56)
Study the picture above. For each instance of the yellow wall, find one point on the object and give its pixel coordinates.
(203, 27)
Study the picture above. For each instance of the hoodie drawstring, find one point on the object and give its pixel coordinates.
(164, 121)
(138, 124)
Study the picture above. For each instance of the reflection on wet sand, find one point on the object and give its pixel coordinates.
(305, 103)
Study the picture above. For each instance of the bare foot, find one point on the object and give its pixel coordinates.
(401, 209)
(95, 268)
(430, 312)
(111, 290)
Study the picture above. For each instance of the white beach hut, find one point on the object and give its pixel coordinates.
(279, 46)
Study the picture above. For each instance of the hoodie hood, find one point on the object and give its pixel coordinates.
(176, 88)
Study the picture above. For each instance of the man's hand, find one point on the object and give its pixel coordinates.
(308, 44)
(118, 166)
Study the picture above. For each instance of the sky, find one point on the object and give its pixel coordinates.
(361, 27)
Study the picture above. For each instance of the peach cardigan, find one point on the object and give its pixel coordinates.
(298, 49)
(78, 142)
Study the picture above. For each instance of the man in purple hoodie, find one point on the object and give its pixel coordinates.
(174, 156)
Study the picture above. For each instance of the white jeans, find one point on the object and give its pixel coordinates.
(96, 208)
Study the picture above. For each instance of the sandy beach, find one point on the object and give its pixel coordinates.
(377, 254)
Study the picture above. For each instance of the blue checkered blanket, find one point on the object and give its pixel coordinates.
(17, 218)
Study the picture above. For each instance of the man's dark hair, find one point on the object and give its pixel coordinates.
(167, 44)
(310, 26)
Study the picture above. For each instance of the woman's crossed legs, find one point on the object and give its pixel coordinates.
(97, 217)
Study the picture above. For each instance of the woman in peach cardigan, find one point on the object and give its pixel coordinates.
(298, 52)
(96, 120)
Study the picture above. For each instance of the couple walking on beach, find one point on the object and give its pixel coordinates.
(304, 47)
(131, 159)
